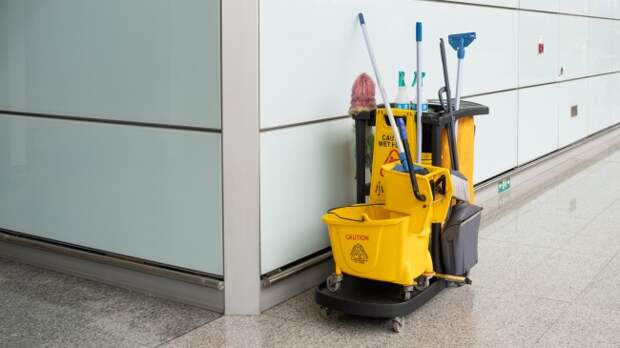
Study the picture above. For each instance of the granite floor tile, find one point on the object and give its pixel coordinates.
(610, 217)
(303, 309)
(45, 308)
(584, 326)
(613, 156)
(603, 291)
(562, 275)
(458, 317)
(533, 227)
(258, 331)
(601, 180)
(27, 322)
(151, 324)
(92, 339)
(575, 201)
(599, 237)
(503, 265)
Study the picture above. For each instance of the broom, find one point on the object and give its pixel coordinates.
(460, 185)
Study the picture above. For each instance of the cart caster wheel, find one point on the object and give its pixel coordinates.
(406, 294)
(326, 312)
(333, 282)
(397, 324)
(422, 283)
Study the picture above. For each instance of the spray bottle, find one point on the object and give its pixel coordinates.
(402, 98)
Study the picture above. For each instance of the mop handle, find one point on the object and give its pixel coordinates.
(388, 108)
(451, 127)
(459, 42)
(459, 79)
(419, 101)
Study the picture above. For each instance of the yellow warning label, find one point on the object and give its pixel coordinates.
(358, 254)
(385, 149)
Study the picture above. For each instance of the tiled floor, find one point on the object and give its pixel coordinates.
(40, 308)
(548, 276)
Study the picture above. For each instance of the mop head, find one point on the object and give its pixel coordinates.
(460, 186)
(362, 95)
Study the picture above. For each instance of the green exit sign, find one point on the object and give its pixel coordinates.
(503, 185)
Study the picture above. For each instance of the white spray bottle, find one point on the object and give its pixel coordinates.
(402, 98)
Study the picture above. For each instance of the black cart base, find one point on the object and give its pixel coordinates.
(369, 298)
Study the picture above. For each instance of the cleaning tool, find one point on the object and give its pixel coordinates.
(386, 101)
(412, 169)
(414, 84)
(458, 43)
(460, 189)
(402, 97)
(418, 98)
(362, 95)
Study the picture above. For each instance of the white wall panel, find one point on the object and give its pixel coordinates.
(535, 68)
(142, 192)
(310, 56)
(573, 46)
(572, 128)
(304, 172)
(574, 6)
(602, 50)
(542, 5)
(604, 8)
(141, 60)
(615, 99)
(538, 122)
(504, 3)
(615, 42)
(602, 99)
(496, 135)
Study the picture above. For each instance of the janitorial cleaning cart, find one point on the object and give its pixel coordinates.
(414, 229)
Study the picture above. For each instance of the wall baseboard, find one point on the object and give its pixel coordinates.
(95, 267)
(295, 284)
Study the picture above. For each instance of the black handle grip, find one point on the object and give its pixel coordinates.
(414, 181)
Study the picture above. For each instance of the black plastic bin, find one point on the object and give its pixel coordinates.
(459, 239)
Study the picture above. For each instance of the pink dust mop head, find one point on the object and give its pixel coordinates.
(362, 95)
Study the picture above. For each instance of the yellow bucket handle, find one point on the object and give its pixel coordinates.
(364, 218)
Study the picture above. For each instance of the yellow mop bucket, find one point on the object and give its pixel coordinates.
(390, 242)
(371, 242)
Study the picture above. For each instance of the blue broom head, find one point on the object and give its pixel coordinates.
(459, 41)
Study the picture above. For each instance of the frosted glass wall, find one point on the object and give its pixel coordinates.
(110, 126)
(140, 60)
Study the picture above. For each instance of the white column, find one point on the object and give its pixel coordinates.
(240, 151)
